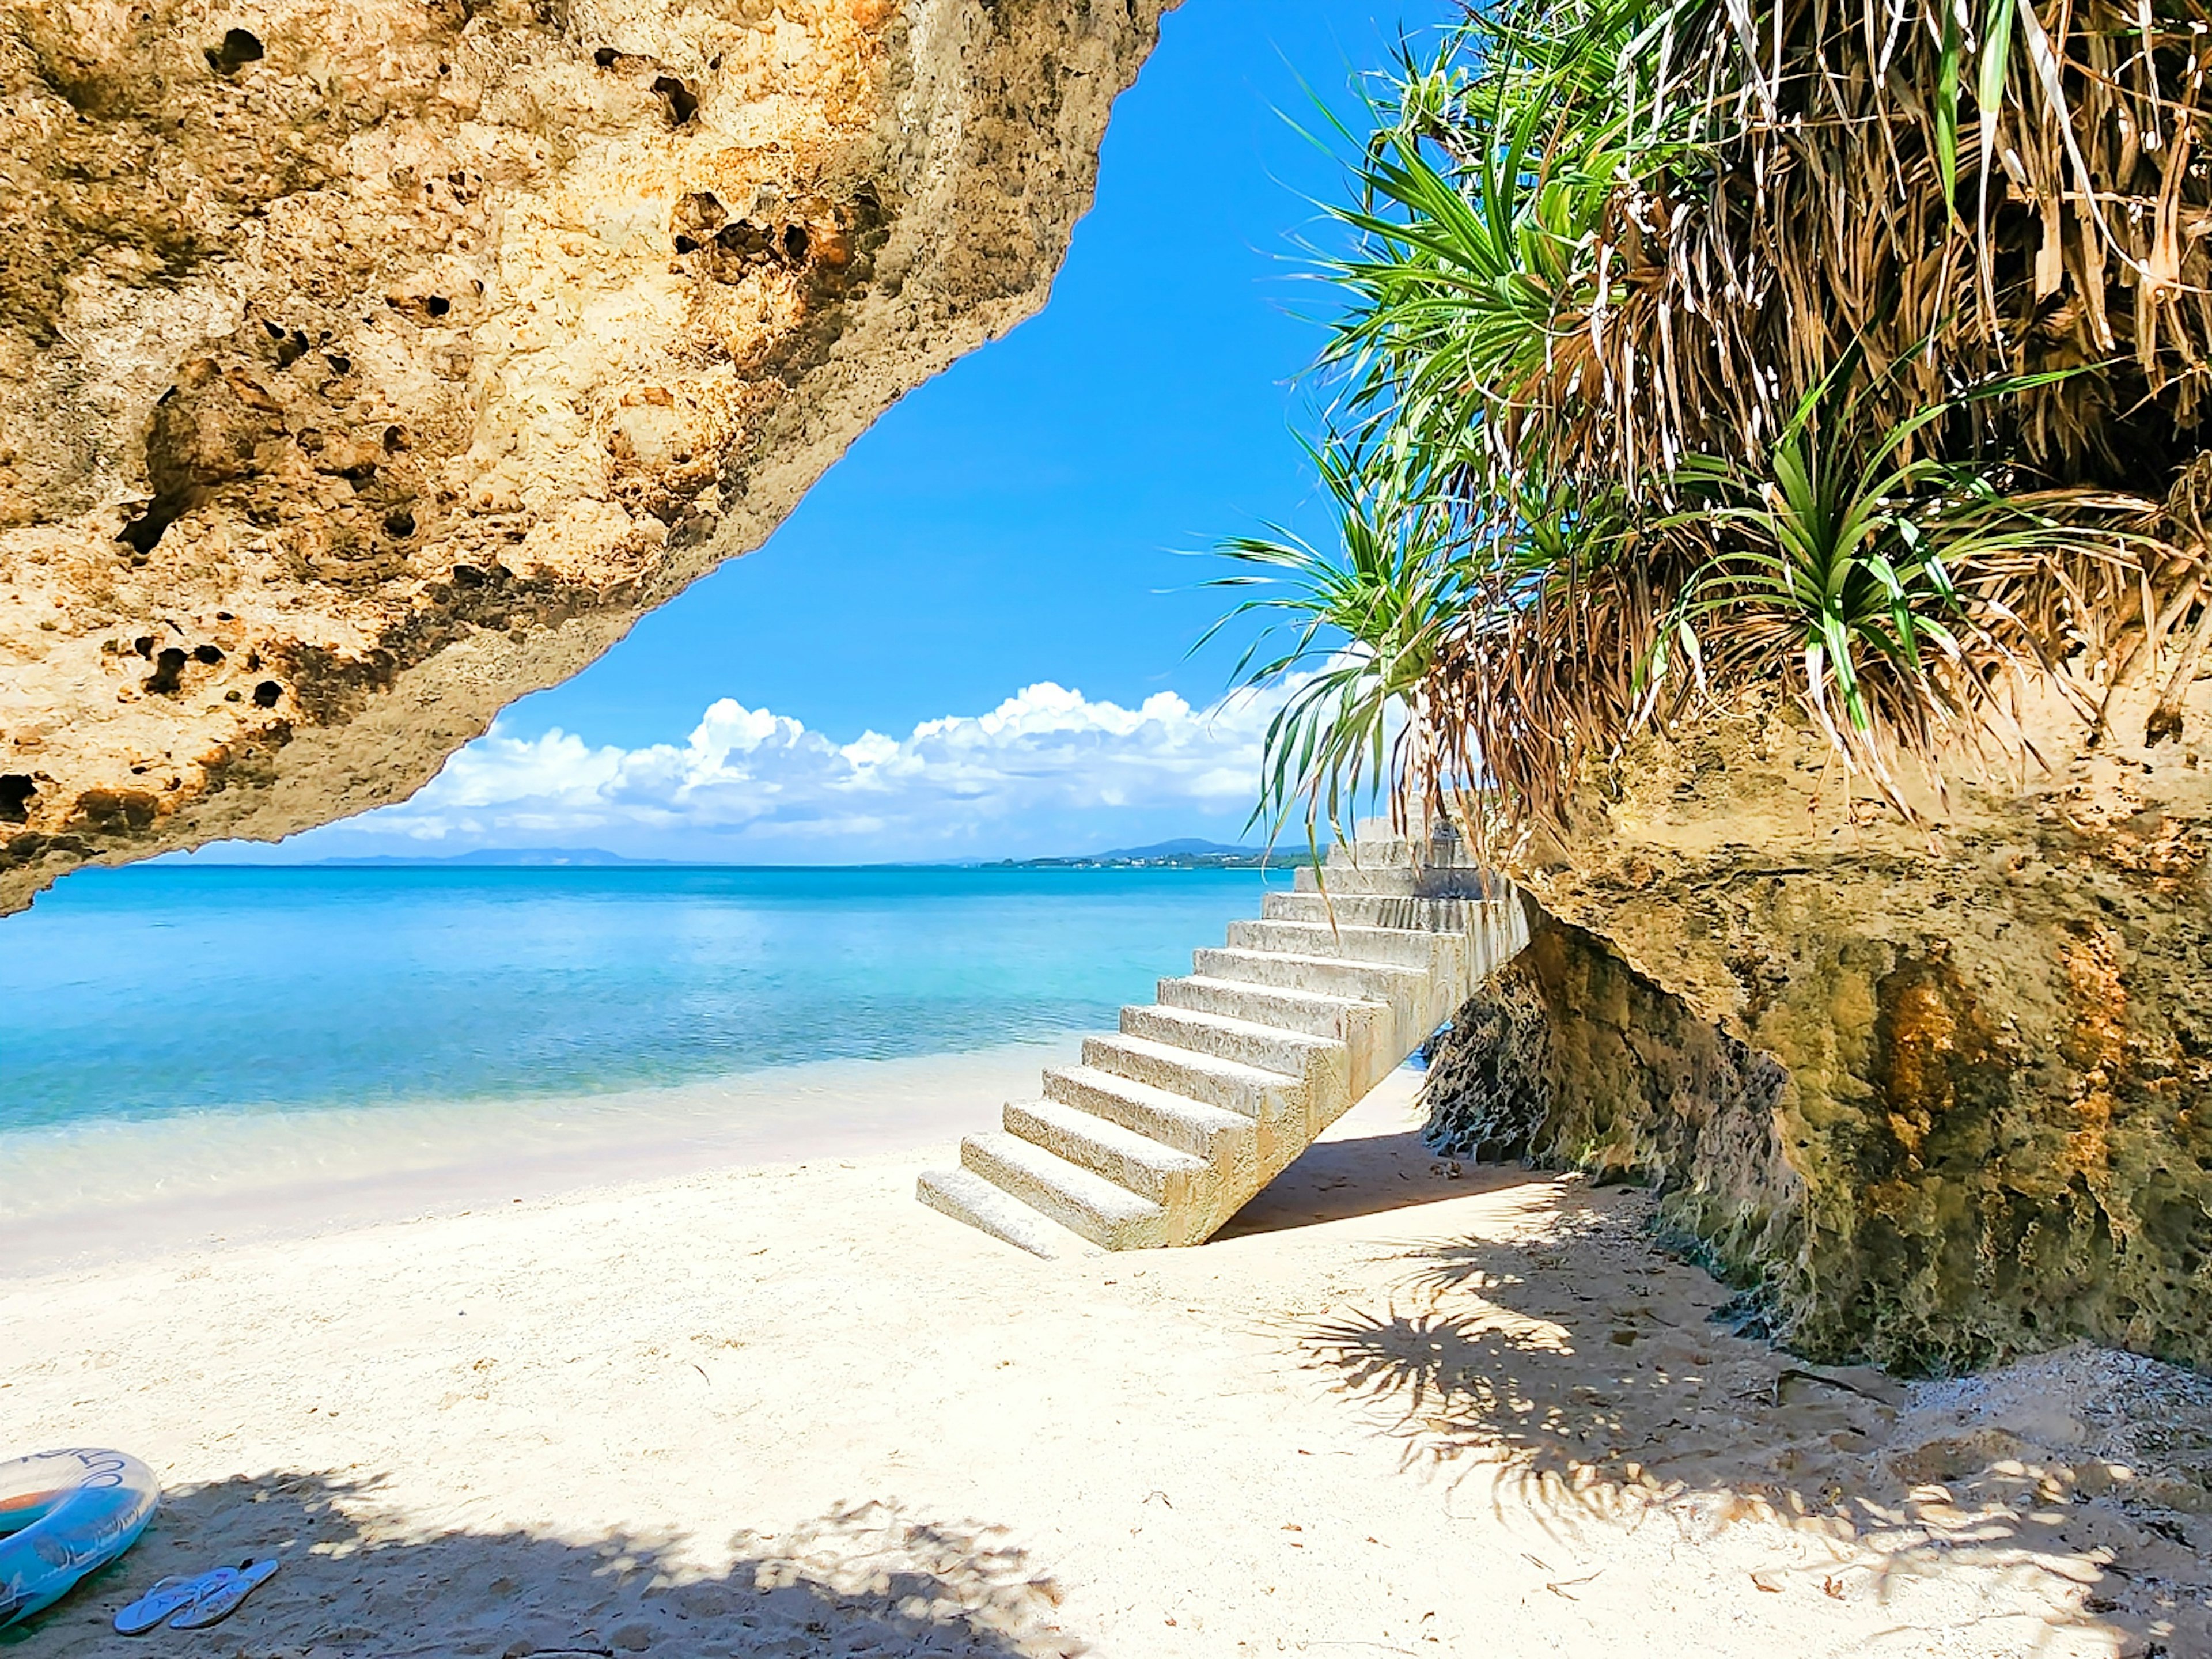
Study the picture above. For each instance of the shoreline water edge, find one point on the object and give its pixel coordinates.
(236, 1052)
(91, 1193)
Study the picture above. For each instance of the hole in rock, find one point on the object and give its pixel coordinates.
(682, 104)
(16, 792)
(168, 670)
(743, 236)
(399, 524)
(395, 440)
(604, 56)
(209, 654)
(437, 305)
(266, 693)
(338, 365)
(238, 48)
(144, 645)
(467, 575)
(145, 531)
(794, 242)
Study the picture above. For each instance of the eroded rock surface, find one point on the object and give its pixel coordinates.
(1944, 1091)
(365, 364)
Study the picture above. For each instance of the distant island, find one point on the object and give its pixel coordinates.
(1186, 853)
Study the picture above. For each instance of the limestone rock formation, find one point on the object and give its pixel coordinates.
(1942, 1090)
(365, 364)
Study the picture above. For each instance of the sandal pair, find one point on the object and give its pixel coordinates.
(197, 1602)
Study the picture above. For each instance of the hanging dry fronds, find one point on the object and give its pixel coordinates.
(1861, 350)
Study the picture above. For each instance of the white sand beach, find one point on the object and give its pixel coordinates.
(1399, 1409)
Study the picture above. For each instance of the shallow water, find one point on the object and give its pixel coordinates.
(146, 993)
(176, 1035)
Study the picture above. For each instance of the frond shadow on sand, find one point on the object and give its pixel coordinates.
(1578, 1376)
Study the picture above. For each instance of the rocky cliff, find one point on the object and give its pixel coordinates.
(365, 364)
(1940, 1089)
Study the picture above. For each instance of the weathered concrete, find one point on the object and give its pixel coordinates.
(1169, 1128)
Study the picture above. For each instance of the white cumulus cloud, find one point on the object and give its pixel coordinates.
(1048, 762)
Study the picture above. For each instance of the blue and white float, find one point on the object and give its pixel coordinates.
(63, 1515)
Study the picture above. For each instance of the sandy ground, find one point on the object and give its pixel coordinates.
(787, 1411)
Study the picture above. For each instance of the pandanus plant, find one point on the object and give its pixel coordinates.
(1693, 349)
(1357, 627)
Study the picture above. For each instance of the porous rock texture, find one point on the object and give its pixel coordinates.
(365, 364)
(1940, 1090)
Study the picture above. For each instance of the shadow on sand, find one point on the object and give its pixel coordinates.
(357, 1580)
(1366, 1174)
(1573, 1373)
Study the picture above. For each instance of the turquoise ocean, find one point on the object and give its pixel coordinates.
(187, 1039)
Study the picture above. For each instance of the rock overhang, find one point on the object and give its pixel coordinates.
(365, 364)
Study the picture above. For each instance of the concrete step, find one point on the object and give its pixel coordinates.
(1333, 976)
(1222, 1138)
(1400, 947)
(1444, 881)
(1249, 1043)
(1171, 1179)
(1366, 1029)
(1345, 1019)
(1168, 1126)
(1250, 1091)
(966, 1196)
(1395, 852)
(1322, 1063)
(1400, 911)
(1102, 1211)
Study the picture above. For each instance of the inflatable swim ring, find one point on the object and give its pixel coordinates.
(63, 1514)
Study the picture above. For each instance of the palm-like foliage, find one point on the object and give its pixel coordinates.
(1359, 629)
(1755, 342)
(1841, 551)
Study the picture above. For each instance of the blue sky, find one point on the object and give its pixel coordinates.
(971, 639)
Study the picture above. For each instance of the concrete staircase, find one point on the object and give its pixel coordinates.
(1168, 1128)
